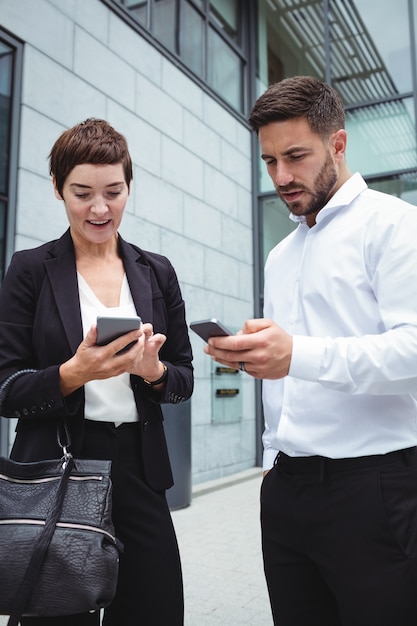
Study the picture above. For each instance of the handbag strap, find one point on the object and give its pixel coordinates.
(43, 541)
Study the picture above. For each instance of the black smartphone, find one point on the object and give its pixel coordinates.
(209, 328)
(110, 328)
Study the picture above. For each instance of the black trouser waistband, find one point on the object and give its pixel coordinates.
(320, 464)
(112, 425)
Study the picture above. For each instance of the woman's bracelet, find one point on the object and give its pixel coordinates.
(152, 383)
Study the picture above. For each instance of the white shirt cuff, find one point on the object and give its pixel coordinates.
(269, 458)
(307, 357)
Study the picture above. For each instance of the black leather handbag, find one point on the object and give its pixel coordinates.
(58, 551)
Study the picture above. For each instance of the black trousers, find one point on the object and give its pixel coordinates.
(339, 540)
(149, 589)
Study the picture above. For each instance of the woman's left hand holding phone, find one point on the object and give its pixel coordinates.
(93, 362)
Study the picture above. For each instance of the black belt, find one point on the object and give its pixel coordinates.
(320, 464)
(100, 424)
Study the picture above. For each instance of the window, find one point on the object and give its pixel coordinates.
(9, 86)
(403, 186)
(164, 24)
(291, 40)
(6, 64)
(225, 15)
(225, 72)
(275, 224)
(382, 137)
(138, 9)
(191, 37)
(10, 73)
(366, 63)
(207, 35)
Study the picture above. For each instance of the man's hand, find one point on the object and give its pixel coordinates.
(261, 345)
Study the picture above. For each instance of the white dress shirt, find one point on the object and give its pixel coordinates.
(112, 399)
(346, 289)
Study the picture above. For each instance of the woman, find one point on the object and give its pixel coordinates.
(49, 302)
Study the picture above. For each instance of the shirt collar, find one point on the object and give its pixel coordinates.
(343, 196)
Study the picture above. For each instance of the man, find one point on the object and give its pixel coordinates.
(337, 351)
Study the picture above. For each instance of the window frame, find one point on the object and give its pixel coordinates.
(11, 196)
(242, 51)
(14, 132)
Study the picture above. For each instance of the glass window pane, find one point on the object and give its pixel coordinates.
(164, 23)
(191, 38)
(275, 224)
(6, 61)
(290, 40)
(370, 49)
(404, 186)
(139, 10)
(225, 15)
(382, 138)
(265, 182)
(225, 73)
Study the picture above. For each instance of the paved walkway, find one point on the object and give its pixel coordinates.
(219, 540)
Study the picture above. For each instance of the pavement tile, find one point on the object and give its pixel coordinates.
(220, 546)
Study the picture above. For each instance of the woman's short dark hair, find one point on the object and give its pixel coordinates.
(92, 141)
(300, 96)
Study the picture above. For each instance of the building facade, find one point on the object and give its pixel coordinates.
(178, 78)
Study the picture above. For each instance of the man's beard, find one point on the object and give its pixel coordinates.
(320, 192)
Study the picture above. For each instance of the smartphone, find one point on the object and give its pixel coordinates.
(110, 328)
(209, 328)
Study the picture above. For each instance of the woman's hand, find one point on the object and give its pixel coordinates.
(148, 365)
(93, 362)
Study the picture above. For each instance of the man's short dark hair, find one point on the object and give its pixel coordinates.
(300, 96)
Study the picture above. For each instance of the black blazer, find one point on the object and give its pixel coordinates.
(40, 328)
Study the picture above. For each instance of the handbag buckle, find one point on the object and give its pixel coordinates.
(67, 456)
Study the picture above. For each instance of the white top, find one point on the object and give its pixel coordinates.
(109, 400)
(346, 289)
